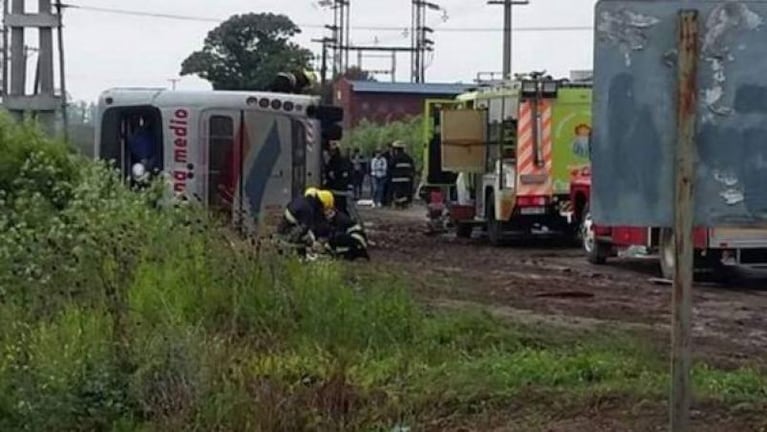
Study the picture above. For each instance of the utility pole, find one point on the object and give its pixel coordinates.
(62, 75)
(17, 101)
(420, 44)
(341, 30)
(507, 31)
(324, 68)
(6, 4)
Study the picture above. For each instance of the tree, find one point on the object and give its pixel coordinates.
(246, 52)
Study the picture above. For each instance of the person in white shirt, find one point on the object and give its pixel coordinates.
(378, 172)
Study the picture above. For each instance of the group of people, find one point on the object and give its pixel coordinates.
(314, 224)
(391, 172)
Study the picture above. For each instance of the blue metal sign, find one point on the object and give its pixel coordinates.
(634, 118)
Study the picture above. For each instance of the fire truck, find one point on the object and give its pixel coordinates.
(246, 154)
(501, 156)
(717, 250)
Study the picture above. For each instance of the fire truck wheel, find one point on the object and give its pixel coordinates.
(463, 230)
(595, 251)
(666, 252)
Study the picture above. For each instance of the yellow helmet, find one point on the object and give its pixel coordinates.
(312, 191)
(327, 199)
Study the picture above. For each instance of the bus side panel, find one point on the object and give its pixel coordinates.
(571, 128)
(266, 174)
(182, 151)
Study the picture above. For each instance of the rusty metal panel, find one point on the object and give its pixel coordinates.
(635, 115)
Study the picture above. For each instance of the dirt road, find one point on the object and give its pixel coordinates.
(555, 284)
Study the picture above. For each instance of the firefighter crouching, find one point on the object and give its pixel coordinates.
(347, 238)
(304, 218)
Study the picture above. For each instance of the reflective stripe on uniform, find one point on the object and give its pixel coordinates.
(361, 239)
(289, 217)
(400, 179)
(403, 165)
(357, 227)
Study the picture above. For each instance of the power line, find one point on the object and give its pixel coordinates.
(147, 14)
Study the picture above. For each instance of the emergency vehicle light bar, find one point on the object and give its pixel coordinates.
(546, 89)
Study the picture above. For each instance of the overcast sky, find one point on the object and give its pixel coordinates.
(106, 50)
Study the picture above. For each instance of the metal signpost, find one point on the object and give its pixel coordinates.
(680, 122)
(681, 355)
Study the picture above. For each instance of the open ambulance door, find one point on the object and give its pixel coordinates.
(434, 174)
(464, 137)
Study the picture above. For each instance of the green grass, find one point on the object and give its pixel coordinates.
(115, 315)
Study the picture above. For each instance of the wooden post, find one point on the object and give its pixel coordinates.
(687, 69)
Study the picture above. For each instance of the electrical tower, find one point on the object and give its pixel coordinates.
(339, 42)
(43, 102)
(340, 33)
(420, 43)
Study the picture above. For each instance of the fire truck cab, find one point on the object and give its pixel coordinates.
(244, 153)
(510, 149)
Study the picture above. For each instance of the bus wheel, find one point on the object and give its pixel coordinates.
(667, 257)
(596, 251)
(463, 230)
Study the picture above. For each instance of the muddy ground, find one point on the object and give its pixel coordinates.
(554, 284)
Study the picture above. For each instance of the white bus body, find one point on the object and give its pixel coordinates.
(245, 152)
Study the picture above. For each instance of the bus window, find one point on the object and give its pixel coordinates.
(132, 136)
(220, 157)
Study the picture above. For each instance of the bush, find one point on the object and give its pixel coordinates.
(370, 136)
(118, 315)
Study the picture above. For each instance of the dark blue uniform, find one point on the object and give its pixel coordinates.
(303, 220)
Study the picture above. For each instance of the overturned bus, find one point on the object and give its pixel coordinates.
(243, 153)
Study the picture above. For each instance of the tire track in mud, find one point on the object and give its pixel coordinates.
(556, 284)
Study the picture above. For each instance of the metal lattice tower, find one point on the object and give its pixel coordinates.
(43, 102)
(420, 43)
(340, 33)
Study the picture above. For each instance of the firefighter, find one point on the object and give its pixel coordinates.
(347, 238)
(402, 174)
(339, 177)
(306, 218)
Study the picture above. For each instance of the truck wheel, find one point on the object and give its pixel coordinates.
(494, 227)
(666, 254)
(596, 251)
(463, 230)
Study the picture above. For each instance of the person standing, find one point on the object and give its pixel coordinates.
(388, 191)
(358, 172)
(339, 177)
(378, 176)
(402, 175)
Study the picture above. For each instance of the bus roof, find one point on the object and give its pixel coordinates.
(160, 97)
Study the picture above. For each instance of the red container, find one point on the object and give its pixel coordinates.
(462, 212)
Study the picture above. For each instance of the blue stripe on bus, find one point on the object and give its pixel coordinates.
(261, 170)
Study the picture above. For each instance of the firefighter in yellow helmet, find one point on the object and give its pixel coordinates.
(305, 217)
